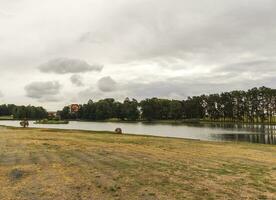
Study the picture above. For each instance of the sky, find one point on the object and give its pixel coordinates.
(54, 53)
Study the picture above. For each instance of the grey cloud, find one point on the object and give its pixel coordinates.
(50, 99)
(43, 91)
(1, 94)
(67, 65)
(232, 28)
(179, 87)
(94, 94)
(255, 66)
(76, 80)
(182, 87)
(176, 88)
(214, 44)
(107, 84)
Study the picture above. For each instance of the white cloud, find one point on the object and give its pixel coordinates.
(76, 80)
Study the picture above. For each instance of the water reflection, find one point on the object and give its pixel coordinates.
(253, 138)
(263, 134)
(266, 129)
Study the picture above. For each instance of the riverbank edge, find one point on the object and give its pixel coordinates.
(178, 122)
(175, 122)
(132, 134)
(123, 134)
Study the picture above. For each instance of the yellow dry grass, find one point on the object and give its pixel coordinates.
(73, 165)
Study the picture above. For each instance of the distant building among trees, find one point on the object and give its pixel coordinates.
(74, 108)
(53, 115)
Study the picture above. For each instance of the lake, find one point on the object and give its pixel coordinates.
(264, 134)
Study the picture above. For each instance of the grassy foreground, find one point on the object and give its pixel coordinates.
(53, 164)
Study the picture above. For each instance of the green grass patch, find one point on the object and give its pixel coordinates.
(6, 117)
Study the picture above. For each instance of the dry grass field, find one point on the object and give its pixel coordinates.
(40, 164)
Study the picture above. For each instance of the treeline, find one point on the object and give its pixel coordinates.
(254, 105)
(104, 109)
(21, 112)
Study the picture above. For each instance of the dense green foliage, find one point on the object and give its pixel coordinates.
(161, 109)
(104, 109)
(254, 105)
(21, 112)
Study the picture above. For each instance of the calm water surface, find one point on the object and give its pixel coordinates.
(265, 134)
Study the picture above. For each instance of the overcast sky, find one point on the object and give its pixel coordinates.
(58, 52)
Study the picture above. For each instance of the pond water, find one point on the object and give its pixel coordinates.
(265, 134)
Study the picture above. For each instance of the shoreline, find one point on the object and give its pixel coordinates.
(174, 122)
(184, 122)
(133, 134)
(108, 132)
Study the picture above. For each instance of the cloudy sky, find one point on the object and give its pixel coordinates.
(57, 52)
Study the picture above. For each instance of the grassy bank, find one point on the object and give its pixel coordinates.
(72, 165)
(6, 117)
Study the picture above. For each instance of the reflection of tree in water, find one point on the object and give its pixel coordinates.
(267, 129)
(253, 138)
(264, 134)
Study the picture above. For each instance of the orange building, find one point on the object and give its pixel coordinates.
(74, 108)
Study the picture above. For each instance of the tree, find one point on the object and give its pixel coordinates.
(129, 110)
(65, 113)
(195, 107)
(175, 110)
